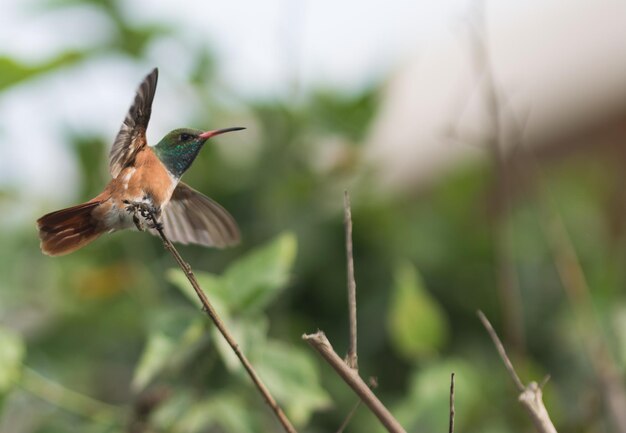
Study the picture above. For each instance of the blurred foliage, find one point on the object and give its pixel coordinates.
(11, 355)
(110, 339)
(14, 72)
(417, 326)
(239, 295)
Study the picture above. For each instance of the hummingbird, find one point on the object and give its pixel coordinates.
(145, 181)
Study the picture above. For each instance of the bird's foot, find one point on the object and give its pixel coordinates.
(144, 215)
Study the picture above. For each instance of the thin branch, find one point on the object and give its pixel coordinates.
(320, 343)
(346, 421)
(348, 368)
(451, 424)
(208, 308)
(500, 348)
(69, 400)
(530, 396)
(373, 383)
(351, 358)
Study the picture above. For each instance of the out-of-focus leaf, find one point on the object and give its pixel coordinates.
(427, 404)
(416, 323)
(293, 377)
(343, 113)
(233, 413)
(164, 351)
(209, 283)
(172, 410)
(12, 351)
(198, 417)
(12, 72)
(250, 334)
(155, 356)
(106, 281)
(248, 284)
(228, 410)
(131, 39)
(256, 278)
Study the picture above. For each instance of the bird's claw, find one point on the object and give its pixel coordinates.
(143, 213)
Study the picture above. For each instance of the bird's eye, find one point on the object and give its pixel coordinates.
(185, 137)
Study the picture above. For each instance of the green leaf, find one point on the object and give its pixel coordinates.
(416, 324)
(12, 350)
(293, 378)
(209, 283)
(13, 72)
(250, 334)
(166, 351)
(155, 356)
(250, 283)
(227, 409)
(254, 280)
(173, 409)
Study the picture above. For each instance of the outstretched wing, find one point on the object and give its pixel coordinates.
(191, 217)
(132, 135)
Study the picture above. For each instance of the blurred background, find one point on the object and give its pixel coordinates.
(483, 144)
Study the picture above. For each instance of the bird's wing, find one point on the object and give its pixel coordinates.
(191, 217)
(132, 134)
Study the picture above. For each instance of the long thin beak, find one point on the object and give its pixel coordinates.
(214, 132)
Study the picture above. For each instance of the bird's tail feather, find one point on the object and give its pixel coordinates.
(67, 230)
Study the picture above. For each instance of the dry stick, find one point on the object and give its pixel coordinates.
(451, 424)
(347, 369)
(351, 358)
(208, 308)
(530, 396)
(346, 421)
(372, 383)
(320, 343)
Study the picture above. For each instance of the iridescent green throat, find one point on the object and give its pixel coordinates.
(178, 149)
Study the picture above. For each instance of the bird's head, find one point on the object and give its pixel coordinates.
(179, 147)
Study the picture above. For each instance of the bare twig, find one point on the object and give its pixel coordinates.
(320, 343)
(373, 383)
(208, 308)
(545, 381)
(451, 424)
(348, 368)
(500, 348)
(346, 421)
(351, 358)
(71, 401)
(530, 396)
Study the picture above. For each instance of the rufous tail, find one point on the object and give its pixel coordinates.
(67, 230)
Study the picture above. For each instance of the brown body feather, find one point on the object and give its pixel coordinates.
(67, 230)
